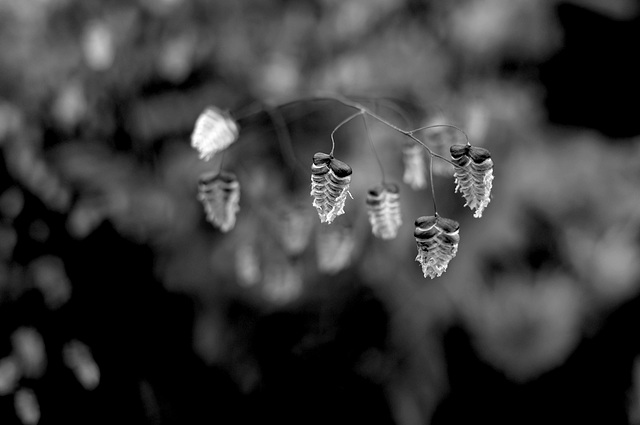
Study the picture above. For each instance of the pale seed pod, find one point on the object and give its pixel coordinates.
(26, 406)
(248, 265)
(383, 208)
(295, 225)
(29, 350)
(415, 166)
(77, 357)
(220, 195)
(330, 180)
(437, 239)
(50, 277)
(98, 45)
(283, 282)
(10, 375)
(335, 248)
(214, 131)
(474, 176)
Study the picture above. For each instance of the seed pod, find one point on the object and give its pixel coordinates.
(294, 227)
(77, 357)
(26, 406)
(220, 195)
(474, 176)
(330, 180)
(283, 282)
(30, 351)
(415, 167)
(214, 131)
(248, 264)
(10, 375)
(383, 208)
(437, 239)
(335, 248)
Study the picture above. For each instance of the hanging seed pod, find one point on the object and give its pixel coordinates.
(415, 166)
(26, 406)
(330, 180)
(283, 282)
(294, 226)
(220, 195)
(214, 131)
(383, 208)
(335, 248)
(437, 240)
(77, 357)
(30, 351)
(474, 176)
(10, 375)
(248, 265)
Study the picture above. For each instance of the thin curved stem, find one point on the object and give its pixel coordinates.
(408, 133)
(284, 137)
(433, 190)
(346, 120)
(442, 125)
(373, 148)
(221, 161)
(248, 111)
(363, 110)
(389, 104)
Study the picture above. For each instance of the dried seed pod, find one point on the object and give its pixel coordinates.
(248, 264)
(335, 248)
(77, 357)
(283, 282)
(383, 208)
(474, 176)
(294, 227)
(214, 131)
(9, 375)
(30, 351)
(220, 195)
(415, 166)
(26, 406)
(437, 240)
(330, 180)
(50, 277)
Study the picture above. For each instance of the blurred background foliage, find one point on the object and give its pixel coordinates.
(118, 301)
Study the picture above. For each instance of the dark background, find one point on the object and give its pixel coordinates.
(97, 104)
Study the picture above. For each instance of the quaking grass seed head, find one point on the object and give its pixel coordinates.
(220, 196)
(437, 242)
(330, 179)
(214, 131)
(473, 176)
(383, 210)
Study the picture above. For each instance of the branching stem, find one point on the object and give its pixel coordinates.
(373, 148)
(346, 120)
(284, 137)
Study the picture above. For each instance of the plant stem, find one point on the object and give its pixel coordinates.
(433, 190)
(373, 148)
(346, 120)
(284, 138)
